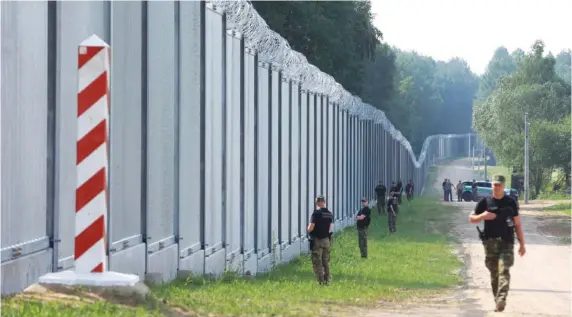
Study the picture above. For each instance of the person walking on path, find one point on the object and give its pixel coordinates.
(501, 216)
(320, 231)
(363, 220)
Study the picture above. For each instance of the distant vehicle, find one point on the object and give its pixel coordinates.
(484, 189)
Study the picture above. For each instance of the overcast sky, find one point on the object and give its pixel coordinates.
(473, 29)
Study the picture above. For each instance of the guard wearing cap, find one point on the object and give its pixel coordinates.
(320, 231)
(363, 220)
(501, 217)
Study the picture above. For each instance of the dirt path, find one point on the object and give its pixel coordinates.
(540, 281)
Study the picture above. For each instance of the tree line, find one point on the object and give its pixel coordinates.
(423, 96)
(536, 83)
(416, 92)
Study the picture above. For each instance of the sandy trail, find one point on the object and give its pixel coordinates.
(540, 281)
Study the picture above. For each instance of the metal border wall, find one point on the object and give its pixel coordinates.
(217, 150)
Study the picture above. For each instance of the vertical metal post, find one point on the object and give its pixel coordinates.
(485, 156)
(470, 148)
(526, 159)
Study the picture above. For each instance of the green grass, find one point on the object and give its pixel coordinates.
(25, 307)
(553, 196)
(414, 262)
(562, 208)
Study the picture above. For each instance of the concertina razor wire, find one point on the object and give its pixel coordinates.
(273, 49)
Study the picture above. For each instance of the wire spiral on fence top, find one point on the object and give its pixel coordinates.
(274, 49)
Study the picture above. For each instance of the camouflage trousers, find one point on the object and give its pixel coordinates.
(362, 237)
(499, 257)
(321, 259)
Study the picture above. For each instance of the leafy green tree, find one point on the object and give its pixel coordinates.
(535, 89)
(501, 65)
(562, 66)
(337, 37)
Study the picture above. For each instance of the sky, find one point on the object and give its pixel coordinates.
(473, 29)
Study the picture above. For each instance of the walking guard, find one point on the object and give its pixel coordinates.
(501, 216)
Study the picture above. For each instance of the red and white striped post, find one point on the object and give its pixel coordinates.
(92, 155)
(92, 167)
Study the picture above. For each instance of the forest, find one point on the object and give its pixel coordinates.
(423, 96)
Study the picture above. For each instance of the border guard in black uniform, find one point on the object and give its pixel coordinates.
(363, 219)
(320, 231)
(501, 217)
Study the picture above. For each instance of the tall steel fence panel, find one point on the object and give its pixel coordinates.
(263, 166)
(250, 161)
(329, 159)
(127, 249)
(214, 147)
(275, 161)
(284, 163)
(233, 137)
(162, 109)
(294, 146)
(305, 195)
(312, 187)
(26, 208)
(191, 92)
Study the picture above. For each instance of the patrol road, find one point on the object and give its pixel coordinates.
(540, 281)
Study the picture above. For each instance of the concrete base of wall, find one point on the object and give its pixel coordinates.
(250, 264)
(304, 246)
(235, 263)
(265, 263)
(18, 274)
(215, 263)
(290, 252)
(129, 261)
(194, 263)
(162, 265)
(339, 225)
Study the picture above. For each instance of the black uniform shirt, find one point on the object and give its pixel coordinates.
(365, 222)
(505, 208)
(321, 218)
(380, 190)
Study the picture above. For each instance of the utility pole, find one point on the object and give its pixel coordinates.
(485, 156)
(470, 145)
(526, 159)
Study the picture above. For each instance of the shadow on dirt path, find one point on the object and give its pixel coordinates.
(540, 281)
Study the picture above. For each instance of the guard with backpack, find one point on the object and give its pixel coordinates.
(500, 214)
